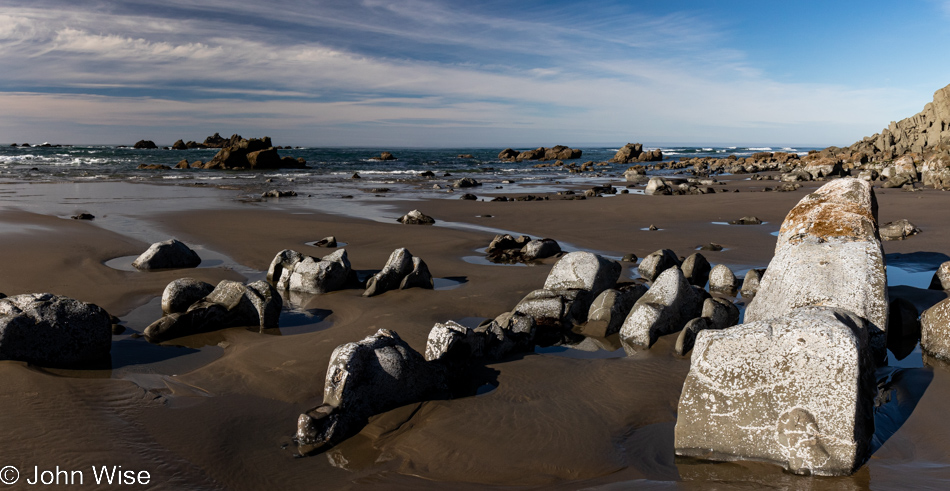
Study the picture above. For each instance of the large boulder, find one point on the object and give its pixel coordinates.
(230, 304)
(828, 253)
(253, 153)
(365, 378)
(145, 145)
(696, 269)
(941, 278)
(750, 284)
(935, 330)
(723, 280)
(167, 254)
(797, 390)
(581, 270)
(898, 230)
(52, 330)
(416, 217)
(664, 309)
(555, 312)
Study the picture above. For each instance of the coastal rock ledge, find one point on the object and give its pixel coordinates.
(52, 330)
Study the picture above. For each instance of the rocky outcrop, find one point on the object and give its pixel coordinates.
(797, 389)
(252, 154)
(145, 145)
(167, 254)
(828, 253)
(52, 330)
(230, 304)
(923, 132)
(558, 152)
(656, 263)
(365, 378)
(385, 156)
(633, 152)
(898, 229)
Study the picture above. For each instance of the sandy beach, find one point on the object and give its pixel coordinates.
(218, 410)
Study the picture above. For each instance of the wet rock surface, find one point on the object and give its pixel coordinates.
(52, 330)
(168, 254)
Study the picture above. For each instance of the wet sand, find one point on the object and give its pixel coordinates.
(219, 412)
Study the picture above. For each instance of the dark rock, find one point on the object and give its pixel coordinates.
(696, 269)
(629, 258)
(427, 173)
(398, 266)
(903, 328)
(51, 330)
(230, 304)
(710, 247)
(898, 230)
(749, 220)
(384, 156)
(468, 197)
(328, 242)
(83, 216)
(466, 182)
(179, 145)
(276, 193)
(145, 144)
(183, 293)
(167, 254)
(153, 167)
(656, 263)
(415, 217)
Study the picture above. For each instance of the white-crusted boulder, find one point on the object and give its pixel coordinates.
(797, 390)
(583, 270)
(53, 330)
(611, 307)
(313, 275)
(935, 330)
(750, 284)
(167, 254)
(664, 309)
(397, 267)
(829, 254)
(419, 277)
(723, 280)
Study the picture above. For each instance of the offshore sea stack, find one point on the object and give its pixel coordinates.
(557, 152)
(254, 154)
(633, 152)
(795, 384)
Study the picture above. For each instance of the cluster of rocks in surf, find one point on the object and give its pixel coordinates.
(557, 152)
(236, 153)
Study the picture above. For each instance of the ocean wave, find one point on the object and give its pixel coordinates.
(707, 149)
(761, 149)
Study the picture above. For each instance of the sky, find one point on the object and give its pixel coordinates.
(447, 73)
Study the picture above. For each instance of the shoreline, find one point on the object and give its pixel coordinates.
(551, 420)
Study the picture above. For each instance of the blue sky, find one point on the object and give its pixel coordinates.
(462, 73)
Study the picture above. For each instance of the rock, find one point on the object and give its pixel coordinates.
(898, 230)
(723, 280)
(415, 217)
(466, 182)
(540, 249)
(611, 307)
(276, 193)
(468, 197)
(555, 312)
(633, 152)
(630, 258)
(750, 285)
(657, 185)
(312, 275)
(903, 328)
(941, 279)
(230, 304)
(166, 255)
(253, 153)
(652, 228)
(83, 216)
(453, 342)
(328, 242)
(507, 154)
(399, 264)
(828, 253)
(183, 293)
(896, 182)
(656, 263)
(145, 144)
(935, 330)
(182, 164)
(419, 277)
(665, 308)
(375, 375)
(581, 270)
(179, 145)
(797, 390)
(711, 247)
(51, 330)
(384, 156)
(284, 260)
(720, 312)
(355, 175)
(153, 167)
(427, 173)
(687, 338)
(696, 269)
(466, 156)
(750, 220)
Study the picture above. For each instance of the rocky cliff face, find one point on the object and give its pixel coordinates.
(920, 133)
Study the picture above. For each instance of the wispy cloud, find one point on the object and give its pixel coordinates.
(608, 75)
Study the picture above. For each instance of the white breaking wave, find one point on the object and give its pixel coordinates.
(761, 149)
